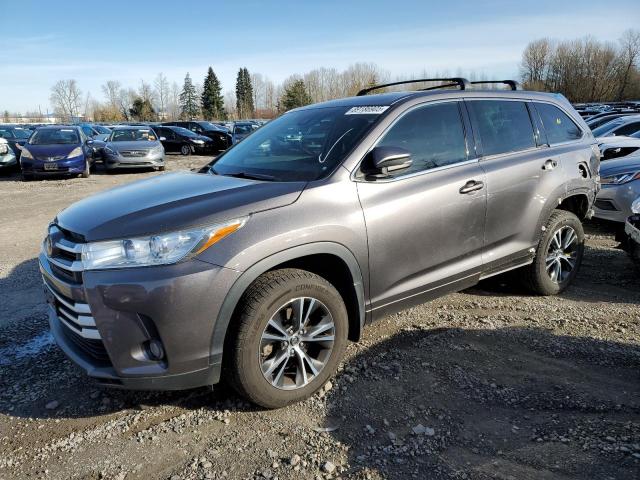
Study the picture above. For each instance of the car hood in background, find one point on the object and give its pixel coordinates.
(173, 202)
(133, 145)
(620, 165)
(40, 151)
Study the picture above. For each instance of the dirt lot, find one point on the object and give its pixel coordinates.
(488, 383)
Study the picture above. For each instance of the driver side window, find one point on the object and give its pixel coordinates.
(433, 134)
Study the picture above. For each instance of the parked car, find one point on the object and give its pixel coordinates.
(627, 125)
(8, 159)
(16, 136)
(242, 130)
(620, 180)
(220, 135)
(601, 119)
(615, 147)
(269, 262)
(133, 147)
(96, 132)
(632, 231)
(178, 139)
(57, 150)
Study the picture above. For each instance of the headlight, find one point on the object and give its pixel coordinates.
(635, 206)
(157, 149)
(161, 249)
(76, 152)
(26, 153)
(620, 178)
(198, 142)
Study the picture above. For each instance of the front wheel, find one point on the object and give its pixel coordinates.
(558, 256)
(291, 332)
(185, 150)
(87, 170)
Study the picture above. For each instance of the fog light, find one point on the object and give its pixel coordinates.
(155, 349)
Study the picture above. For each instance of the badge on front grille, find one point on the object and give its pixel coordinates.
(48, 245)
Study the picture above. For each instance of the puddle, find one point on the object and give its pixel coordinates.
(31, 348)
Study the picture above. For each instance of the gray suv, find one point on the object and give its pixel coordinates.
(334, 215)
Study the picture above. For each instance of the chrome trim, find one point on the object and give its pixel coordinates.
(75, 266)
(82, 320)
(91, 334)
(67, 246)
(80, 308)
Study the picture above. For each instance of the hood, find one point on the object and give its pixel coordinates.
(133, 145)
(617, 140)
(101, 136)
(620, 165)
(40, 151)
(173, 202)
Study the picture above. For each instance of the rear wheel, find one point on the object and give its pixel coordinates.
(558, 256)
(290, 336)
(185, 149)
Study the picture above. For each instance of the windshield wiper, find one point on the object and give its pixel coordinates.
(251, 176)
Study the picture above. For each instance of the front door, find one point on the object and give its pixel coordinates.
(425, 224)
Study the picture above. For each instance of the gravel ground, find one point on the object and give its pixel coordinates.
(488, 383)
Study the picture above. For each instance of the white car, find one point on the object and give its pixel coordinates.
(7, 156)
(618, 146)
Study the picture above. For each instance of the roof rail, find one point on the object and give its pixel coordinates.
(463, 83)
(512, 83)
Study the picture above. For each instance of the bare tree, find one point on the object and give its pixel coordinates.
(111, 91)
(161, 86)
(174, 102)
(65, 98)
(535, 60)
(630, 52)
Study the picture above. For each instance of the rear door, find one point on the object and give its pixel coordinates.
(425, 224)
(521, 172)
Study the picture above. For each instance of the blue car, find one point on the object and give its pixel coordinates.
(16, 136)
(59, 150)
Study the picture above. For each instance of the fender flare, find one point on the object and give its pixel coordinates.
(236, 291)
(556, 199)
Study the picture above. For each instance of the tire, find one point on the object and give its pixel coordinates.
(185, 150)
(161, 168)
(245, 357)
(87, 170)
(538, 277)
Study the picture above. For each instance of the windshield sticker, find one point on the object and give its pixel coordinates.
(367, 110)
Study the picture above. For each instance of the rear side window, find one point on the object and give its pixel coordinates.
(433, 134)
(504, 126)
(557, 124)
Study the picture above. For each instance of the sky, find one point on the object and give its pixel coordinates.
(42, 42)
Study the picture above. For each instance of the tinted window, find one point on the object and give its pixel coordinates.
(559, 127)
(606, 128)
(503, 126)
(628, 129)
(433, 134)
(50, 136)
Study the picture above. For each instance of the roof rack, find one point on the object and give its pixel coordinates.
(512, 83)
(463, 83)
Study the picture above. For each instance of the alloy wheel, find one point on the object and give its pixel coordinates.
(562, 254)
(296, 343)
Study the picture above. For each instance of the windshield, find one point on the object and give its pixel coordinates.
(603, 129)
(185, 132)
(132, 135)
(50, 136)
(209, 126)
(101, 130)
(302, 145)
(21, 133)
(244, 129)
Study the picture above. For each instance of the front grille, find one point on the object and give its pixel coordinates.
(605, 205)
(64, 254)
(134, 153)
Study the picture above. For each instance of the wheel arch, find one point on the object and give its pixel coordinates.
(326, 259)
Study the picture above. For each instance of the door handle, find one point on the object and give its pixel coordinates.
(549, 165)
(471, 186)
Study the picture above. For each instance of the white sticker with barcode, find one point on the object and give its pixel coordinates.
(367, 110)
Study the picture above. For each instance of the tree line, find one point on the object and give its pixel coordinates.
(584, 70)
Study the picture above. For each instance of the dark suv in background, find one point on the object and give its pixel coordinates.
(219, 135)
(262, 268)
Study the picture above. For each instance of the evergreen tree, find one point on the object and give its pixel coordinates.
(212, 100)
(244, 94)
(142, 110)
(188, 100)
(295, 95)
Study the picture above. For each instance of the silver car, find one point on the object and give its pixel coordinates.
(133, 147)
(7, 157)
(620, 180)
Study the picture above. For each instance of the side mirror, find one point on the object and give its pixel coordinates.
(89, 142)
(385, 160)
(162, 139)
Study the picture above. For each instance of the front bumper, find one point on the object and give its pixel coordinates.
(614, 201)
(111, 162)
(73, 166)
(174, 304)
(8, 160)
(632, 230)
